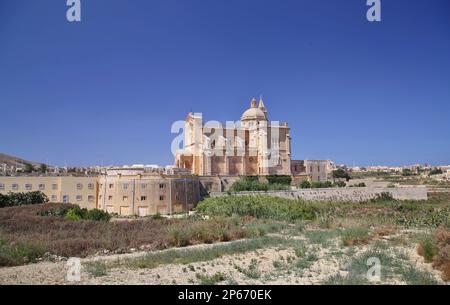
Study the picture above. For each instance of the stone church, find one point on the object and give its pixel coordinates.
(251, 146)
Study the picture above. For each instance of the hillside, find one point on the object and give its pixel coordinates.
(14, 161)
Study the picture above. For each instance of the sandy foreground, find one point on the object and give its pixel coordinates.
(271, 265)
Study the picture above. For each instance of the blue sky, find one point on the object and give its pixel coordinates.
(106, 90)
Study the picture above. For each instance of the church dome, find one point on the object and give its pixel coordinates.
(253, 113)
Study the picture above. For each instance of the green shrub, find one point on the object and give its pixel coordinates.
(428, 248)
(248, 184)
(97, 269)
(72, 215)
(305, 184)
(279, 179)
(339, 184)
(78, 213)
(14, 254)
(259, 206)
(211, 280)
(319, 184)
(18, 199)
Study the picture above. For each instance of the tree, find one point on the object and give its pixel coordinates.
(435, 171)
(341, 173)
(43, 168)
(29, 168)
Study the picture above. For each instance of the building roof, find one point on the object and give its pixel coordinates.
(253, 113)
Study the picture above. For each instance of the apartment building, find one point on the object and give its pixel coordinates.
(77, 190)
(314, 170)
(136, 192)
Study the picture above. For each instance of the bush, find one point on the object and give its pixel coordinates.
(339, 184)
(18, 199)
(258, 206)
(341, 173)
(427, 248)
(77, 214)
(362, 184)
(319, 184)
(248, 184)
(279, 179)
(305, 184)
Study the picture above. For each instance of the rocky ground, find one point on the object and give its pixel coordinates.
(308, 258)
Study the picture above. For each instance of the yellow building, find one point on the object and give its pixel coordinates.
(136, 192)
(78, 190)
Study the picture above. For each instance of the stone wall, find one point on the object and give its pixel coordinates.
(354, 194)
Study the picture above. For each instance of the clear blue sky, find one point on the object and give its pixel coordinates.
(106, 90)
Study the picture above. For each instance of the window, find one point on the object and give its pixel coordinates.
(91, 198)
(79, 197)
(111, 186)
(54, 198)
(161, 198)
(54, 186)
(162, 185)
(79, 186)
(125, 186)
(28, 186)
(318, 168)
(65, 199)
(310, 168)
(91, 186)
(2, 186)
(125, 198)
(41, 187)
(143, 198)
(143, 185)
(109, 197)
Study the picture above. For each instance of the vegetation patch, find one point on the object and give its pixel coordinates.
(355, 236)
(259, 206)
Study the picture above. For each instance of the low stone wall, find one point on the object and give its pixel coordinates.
(353, 194)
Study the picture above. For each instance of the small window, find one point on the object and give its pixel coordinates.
(28, 186)
(66, 199)
(91, 198)
(162, 185)
(54, 186)
(79, 186)
(41, 187)
(125, 186)
(91, 186)
(310, 168)
(161, 198)
(109, 197)
(2, 186)
(54, 198)
(111, 186)
(79, 197)
(125, 198)
(143, 198)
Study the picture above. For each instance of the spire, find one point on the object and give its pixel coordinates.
(262, 106)
(261, 103)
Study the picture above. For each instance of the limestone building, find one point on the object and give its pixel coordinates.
(78, 190)
(136, 192)
(251, 146)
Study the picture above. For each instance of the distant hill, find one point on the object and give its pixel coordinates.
(15, 161)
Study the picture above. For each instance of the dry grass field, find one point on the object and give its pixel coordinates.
(257, 240)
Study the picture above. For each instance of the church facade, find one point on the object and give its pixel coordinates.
(251, 146)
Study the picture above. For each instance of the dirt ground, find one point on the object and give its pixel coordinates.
(319, 263)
